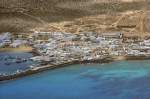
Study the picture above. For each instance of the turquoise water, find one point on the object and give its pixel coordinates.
(117, 80)
(8, 64)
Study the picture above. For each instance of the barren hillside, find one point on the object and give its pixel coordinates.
(74, 15)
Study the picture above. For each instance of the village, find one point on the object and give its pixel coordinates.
(57, 46)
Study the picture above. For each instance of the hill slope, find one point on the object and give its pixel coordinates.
(70, 15)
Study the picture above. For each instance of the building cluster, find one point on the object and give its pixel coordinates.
(9, 40)
(59, 46)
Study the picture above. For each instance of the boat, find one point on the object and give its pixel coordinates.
(8, 63)
(18, 71)
(18, 60)
(32, 66)
(24, 60)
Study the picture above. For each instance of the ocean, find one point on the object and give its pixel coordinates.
(116, 80)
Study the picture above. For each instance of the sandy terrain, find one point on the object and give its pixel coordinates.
(19, 49)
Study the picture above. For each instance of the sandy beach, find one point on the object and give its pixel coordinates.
(18, 49)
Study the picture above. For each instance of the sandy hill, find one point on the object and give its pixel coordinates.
(74, 15)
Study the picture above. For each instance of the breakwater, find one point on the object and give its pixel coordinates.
(51, 66)
(59, 65)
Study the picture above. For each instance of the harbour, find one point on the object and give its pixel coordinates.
(14, 62)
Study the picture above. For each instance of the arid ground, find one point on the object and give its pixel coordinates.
(75, 16)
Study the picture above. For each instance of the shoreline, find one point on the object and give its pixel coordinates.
(63, 64)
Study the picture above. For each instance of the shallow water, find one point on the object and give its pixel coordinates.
(9, 57)
(117, 80)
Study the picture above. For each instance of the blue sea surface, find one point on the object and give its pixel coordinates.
(8, 64)
(117, 80)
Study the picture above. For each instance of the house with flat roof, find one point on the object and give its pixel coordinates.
(112, 35)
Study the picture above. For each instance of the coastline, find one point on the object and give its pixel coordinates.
(63, 64)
